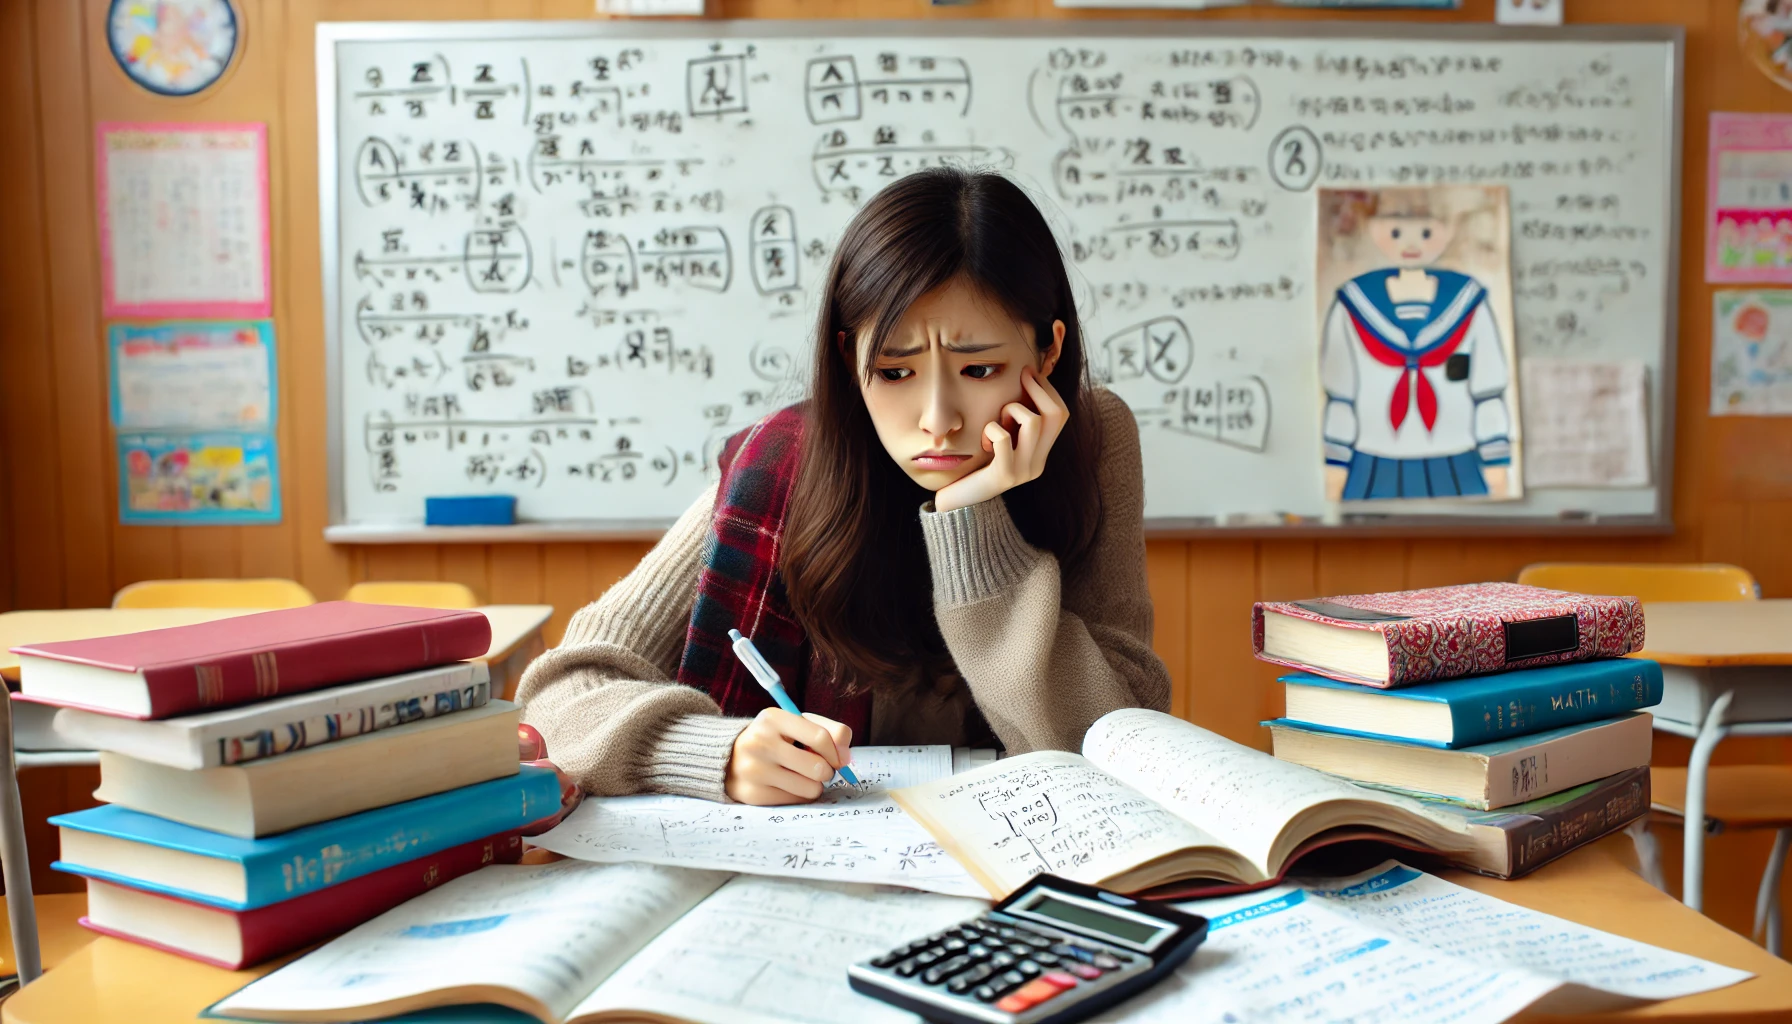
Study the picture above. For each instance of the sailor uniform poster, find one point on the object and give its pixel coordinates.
(1416, 352)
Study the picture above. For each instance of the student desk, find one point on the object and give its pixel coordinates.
(112, 980)
(1726, 671)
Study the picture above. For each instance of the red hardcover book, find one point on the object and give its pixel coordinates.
(1417, 636)
(209, 665)
(235, 939)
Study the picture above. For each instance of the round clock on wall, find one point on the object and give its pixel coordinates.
(173, 47)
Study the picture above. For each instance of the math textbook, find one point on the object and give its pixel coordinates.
(1519, 839)
(209, 665)
(1488, 776)
(142, 851)
(572, 942)
(1480, 709)
(234, 939)
(1153, 800)
(1417, 636)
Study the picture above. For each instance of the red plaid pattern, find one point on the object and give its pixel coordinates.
(740, 587)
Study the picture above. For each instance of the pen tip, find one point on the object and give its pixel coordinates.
(734, 634)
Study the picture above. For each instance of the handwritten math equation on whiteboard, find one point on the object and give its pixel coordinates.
(569, 268)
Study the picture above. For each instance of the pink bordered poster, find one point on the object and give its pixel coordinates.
(183, 212)
(1748, 236)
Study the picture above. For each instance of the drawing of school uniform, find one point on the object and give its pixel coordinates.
(1415, 391)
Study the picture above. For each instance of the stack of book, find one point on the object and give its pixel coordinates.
(1509, 706)
(272, 779)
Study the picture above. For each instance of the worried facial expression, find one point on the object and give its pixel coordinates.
(951, 364)
(1410, 241)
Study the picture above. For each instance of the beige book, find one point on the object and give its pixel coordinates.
(274, 794)
(1154, 800)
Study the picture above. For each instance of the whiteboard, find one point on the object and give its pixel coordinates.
(566, 260)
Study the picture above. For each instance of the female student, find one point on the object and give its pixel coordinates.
(942, 545)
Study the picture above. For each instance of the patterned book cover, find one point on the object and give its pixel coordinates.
(1450, 632)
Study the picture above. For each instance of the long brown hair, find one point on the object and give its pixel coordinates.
(854, 563)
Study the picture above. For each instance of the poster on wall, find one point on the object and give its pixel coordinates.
(1748, 231)
(1751, 353)
(1764, 28)
(1416, 349)
(197, 478)
(183, 212)
(173, 47)
(203, 375)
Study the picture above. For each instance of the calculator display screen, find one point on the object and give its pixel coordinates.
(1136, 932)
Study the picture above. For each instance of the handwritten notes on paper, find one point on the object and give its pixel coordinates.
(1585, 424)
(1394, 946)
(184, 219)
(775, 950)
(849, 835)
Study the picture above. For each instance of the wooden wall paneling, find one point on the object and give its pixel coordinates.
(1224, 678)
(1287, 570)
(516, 574)
(1361, 566)
(28, 415)
(76, 338)
(565, 584)
(1166, 573)
(48, 791)
(398, 562)
(466, 563)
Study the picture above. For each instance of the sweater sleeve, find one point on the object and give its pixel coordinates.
(605, 700)
(1047, 652)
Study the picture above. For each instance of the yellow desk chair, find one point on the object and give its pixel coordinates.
(417, 594)
(1736, 796)
(218, 593)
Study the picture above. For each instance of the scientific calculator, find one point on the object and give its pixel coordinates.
(1054, 951)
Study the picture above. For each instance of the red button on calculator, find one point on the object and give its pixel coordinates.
(1035, 992)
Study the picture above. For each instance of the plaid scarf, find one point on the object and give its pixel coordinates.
(739, 585)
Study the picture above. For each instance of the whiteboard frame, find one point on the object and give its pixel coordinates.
(1664, 382)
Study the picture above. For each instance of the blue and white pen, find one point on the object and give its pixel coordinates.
(756, 664)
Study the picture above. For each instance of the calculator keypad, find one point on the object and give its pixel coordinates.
(1001, 962)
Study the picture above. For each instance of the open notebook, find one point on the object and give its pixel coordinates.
(573, 941)
(1155, 800)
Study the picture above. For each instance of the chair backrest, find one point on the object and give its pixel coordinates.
(417, 594)
(263, 593)
(1650, 581)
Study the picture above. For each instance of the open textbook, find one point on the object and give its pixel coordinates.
(1155, 800)
(852, 834)
(1398, 946)
(572, 941)
(581, 942)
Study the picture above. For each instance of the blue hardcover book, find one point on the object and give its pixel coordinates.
(146, 852)
(1479, 709)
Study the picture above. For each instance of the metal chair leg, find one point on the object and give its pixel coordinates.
(15, 863)
(1767, 901)
(1692, 879)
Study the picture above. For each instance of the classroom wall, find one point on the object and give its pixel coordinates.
(61, 544)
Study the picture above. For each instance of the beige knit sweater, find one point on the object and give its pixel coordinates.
(1043, 651)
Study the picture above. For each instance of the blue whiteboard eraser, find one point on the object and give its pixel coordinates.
(470, 510)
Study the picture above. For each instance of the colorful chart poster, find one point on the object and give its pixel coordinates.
(179, 478)
(184, 220)
(212, 376)
(1748, 234)
(1751, 353)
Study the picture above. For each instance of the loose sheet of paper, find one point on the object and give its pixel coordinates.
(1240, 795)
(551, 931)
(211, 376)
(849, 835)
(1396, 945)
(1585, 424)
(775, 950)
(184, 219)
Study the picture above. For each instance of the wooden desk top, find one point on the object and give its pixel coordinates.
(112, 980)
(1718, 633)
(512, 624)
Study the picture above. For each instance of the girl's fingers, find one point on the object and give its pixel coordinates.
(1047, 400)
(1003, 447)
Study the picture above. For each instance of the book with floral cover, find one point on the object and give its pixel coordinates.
(1416, 636)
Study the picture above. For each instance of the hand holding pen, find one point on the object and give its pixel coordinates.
(784, 756)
